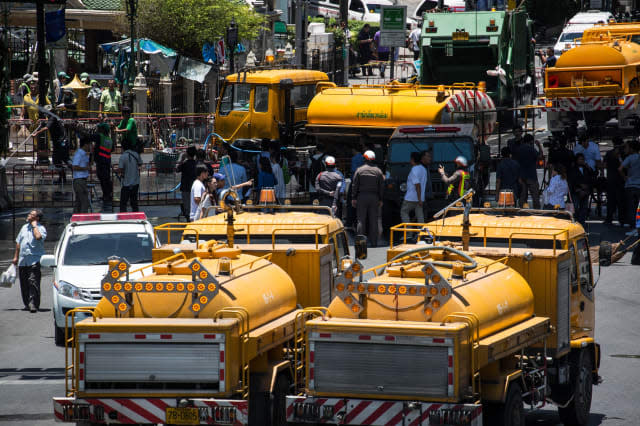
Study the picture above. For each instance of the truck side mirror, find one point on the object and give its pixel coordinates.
(48, 260)
(360, 246)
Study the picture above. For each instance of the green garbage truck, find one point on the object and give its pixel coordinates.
(492, 46)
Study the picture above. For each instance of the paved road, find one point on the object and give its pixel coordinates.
(31, 366)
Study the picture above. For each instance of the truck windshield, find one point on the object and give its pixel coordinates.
(570, 36)
(95, 249)
(466, 63)
(444, 149)
(235, 97)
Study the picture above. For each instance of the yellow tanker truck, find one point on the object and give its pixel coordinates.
(442, 335)
(595, 82)
(204, 337)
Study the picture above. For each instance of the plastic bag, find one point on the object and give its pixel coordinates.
(8, 277)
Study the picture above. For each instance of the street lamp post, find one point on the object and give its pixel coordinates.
(232, 40)
(132, 10)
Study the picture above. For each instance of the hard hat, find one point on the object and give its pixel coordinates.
(84, 76)
(461, 161)
(27, 77)
(329, 160)
(369, 155)
(63, 74)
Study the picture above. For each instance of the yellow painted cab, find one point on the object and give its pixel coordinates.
(308, 242)
(265, 103)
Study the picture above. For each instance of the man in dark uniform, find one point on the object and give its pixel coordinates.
(59, 144)
(329, 184)
(368, 185)
(103, 147)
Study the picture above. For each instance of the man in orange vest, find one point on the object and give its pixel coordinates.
(459, 181)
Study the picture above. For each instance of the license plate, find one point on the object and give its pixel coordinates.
(183, 416)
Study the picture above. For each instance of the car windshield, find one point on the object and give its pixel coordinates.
(444, 149)
(569, 36)
(95, 249)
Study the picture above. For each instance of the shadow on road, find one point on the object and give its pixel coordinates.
(551, 418)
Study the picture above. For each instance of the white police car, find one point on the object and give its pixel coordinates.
(80, 258)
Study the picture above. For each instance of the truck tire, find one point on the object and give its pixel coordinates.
(58, 335)
(511, 413)
(278, 401)
(577, 412)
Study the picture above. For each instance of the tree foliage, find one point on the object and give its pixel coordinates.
(186, 25)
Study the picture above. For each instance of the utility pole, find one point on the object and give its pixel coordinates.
(301, 31)
(42, 156)
(344, 19)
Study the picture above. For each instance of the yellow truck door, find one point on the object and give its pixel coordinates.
(262, 112)
(234, 117)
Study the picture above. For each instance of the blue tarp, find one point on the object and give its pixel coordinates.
(149, 47)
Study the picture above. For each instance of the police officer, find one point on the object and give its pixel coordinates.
(368, 184)
(103, 147)
(459, 181)
(330, 184)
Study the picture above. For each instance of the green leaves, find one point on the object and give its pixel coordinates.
(186, 25)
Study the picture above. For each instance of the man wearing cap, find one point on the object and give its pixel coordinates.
(84, 77)
(57, 84)
(95, 93)
(128, 129)
(330, 184)
(459, 182)
(110, 101)
(368, 186)
(103, 147)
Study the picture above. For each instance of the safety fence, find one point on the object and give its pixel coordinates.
(38, 186)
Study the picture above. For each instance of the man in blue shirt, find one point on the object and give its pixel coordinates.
(234, 172)
(80, 166)
(29, 249)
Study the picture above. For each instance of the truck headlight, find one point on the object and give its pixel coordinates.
(69, 290)
(403, 187)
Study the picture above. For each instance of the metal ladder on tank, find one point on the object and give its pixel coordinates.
(70, 353)
(243, 315)
(299, 339)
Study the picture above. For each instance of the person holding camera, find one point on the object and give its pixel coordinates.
(548, 58)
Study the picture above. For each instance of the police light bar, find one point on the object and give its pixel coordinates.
(87, 217)
(430, 129)
(116, 285)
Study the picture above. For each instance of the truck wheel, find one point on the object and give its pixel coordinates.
(58, 335)
(511, 413)
(577, 412)
(278, 402)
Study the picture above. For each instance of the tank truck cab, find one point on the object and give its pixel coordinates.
(445, 142)
(265, 103)
(551, 251)
(308, 242)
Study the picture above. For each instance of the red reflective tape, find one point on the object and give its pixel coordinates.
(438, 340)
(93, 336)
(81, 357)
(81, 374)
(450, 361)
(158, 403)
(450, 378)
(139, 410)
(221, 356)
(140, 336)
(311, 375)
(325, 335)
(425, 414)
(364, 337)
(108, 409)
(222, 374)
(102, 154)
(312, 356)
(377, 413)
(166, 336)
(209, 336)
(389, 338)
(355, 411)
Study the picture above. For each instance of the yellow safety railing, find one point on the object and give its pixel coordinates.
(474, 330)
(165, 260)
(175, 226)
(315, 227)
(555, 235)
(71, 378)
(243, 315)
(299, 341)
(251, 262)
(404, 228)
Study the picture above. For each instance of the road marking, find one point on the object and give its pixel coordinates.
(31, 382)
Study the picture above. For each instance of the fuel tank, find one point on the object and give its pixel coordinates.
(255, 284)
(495, 293)
(600, 54)
(397, 104)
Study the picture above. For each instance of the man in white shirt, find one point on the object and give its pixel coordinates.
(414, 38)
(80, 166)
(591, 152)
(198, 189)
(414, 197)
